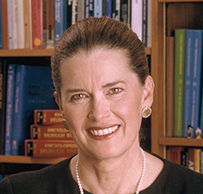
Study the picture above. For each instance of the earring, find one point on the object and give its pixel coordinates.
(65, 124)
(146, 112)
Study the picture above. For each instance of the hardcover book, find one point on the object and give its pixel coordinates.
(34, 89)
(179, 77)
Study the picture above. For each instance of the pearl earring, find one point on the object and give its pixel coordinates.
(65, 124)
(146, 112)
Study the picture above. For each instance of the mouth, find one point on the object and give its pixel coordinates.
(103, 132)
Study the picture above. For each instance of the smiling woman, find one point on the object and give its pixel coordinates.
(103, 89)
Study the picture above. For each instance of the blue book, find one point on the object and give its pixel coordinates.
(188, 82)
(196, 81)
(9, 107)
(91, 8)
(109, 8)
(34, 90)
(61, 17)
(98, 8)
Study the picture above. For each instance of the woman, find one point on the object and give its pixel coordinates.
(103, 89)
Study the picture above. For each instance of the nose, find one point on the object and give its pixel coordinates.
(99, 109)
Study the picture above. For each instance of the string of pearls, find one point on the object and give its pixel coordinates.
(139, 182)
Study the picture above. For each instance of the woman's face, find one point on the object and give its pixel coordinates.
(102, 101)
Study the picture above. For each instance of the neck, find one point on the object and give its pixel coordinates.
(104, 176)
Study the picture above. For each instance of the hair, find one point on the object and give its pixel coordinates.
(106, 33)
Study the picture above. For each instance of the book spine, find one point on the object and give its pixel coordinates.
(58, 19)
(124, 11)
(17, 123)
(69, 15)
(50, 24)
(37, 24)
(144, 22)
(191, 158)
(26, 10)
(0, 28)
(20, 24)
(176, 154)
(81, 10)
(87, 8)
(201, 162)
(3, 79)
(50, 148)
(49, 132)
(9, 107)
(149, 22)
(184, 158)
(197, 160)
(196, 83)
(47, 117)
(45, 23)
(136, 19)
(179, 77)
(91, 8)
(14, 24)
(65, 15)
(169, 85)
(109, 8)
(4, 24)
(188, 82)
(10, 21)
(74, 11)
(97, 8)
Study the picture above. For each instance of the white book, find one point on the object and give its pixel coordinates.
(81, 10)
(74, 11)
(10, 18)
(15, 23)
(20, 18)
(136, 19)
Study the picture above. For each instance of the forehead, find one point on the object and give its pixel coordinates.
(98, 65)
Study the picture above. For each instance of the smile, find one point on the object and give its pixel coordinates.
(102, 132)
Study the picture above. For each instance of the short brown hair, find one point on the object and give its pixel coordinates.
(104, 32)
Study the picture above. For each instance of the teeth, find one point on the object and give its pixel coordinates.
(102, 132)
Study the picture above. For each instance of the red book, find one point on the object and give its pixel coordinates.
(4, 23)
(49, 132)
(48, 117)
(176, 154)
(50, 148)
(37, 23)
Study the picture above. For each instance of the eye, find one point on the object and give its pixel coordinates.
(115, 90)
(78, 96)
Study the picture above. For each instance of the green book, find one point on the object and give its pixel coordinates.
(179, 77)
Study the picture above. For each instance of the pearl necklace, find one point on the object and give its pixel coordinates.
(139, 182)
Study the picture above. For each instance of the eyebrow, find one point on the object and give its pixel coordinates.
(112, 84)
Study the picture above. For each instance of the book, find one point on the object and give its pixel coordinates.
(123, 11)
(81, 10)
(14, 15)
(201, 162)
(179, 77)
(3, 87)
(50, 25)
(27, 24)
(169, 84)
(10, 21)
(149, 23)
(109, 8)
(136, 18)
(191, 158)
(61, 23)
(4, 24)
(20, 24)
(9, 107)
(50, 148)
(176, 154)
(0, 28)
(98, 8)
(31, 93)
(87, 8)
(187, 83)
(144, 21)
(37, 24)
(50, 132)
(184, 158)
(74, 12)
(196, 83)
(91, 8)
(44, 23)
(197, 160)
(47, 117)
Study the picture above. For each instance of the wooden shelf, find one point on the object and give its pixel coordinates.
(173, 141)
(36, 52)
(179, 1)
(28, 160)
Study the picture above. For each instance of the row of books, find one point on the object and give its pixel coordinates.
(184, 84)
(37, 24)
(24, 89)
(191, 158)
(48, 137)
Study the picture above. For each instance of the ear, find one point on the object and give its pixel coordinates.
(148, 92)
(58, 101)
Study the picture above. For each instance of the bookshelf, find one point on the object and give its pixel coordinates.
(166, 17)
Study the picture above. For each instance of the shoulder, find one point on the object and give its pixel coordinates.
(38, 180)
